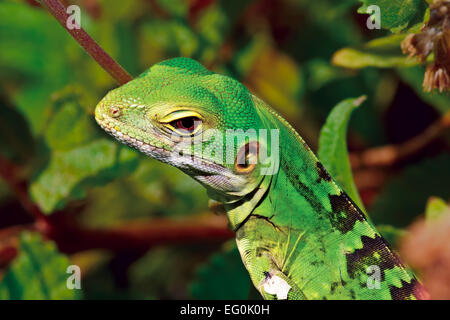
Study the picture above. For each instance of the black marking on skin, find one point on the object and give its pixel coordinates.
(307, 193)
(343, 283)
(333, 287)
(322, 172)
(405, 291)
(364, 257)
(339, 203)
(240, 233)
(301, 188)
(344, 211)
(343, 218)
(269, 221)
(342, 204)
(247, 252)
(317, 263)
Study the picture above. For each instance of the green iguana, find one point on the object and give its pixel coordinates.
(299, 235)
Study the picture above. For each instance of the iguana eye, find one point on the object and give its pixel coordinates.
(183, 122)
(186, 125)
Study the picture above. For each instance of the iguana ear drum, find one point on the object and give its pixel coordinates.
(247, 158)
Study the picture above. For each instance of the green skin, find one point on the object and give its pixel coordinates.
(300, 236)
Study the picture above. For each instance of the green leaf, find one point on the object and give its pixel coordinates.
(436, 208)
(381, 53)
(80, 157)
(70, 172)
(69, 126)
(321, 72)
(16, 142)
(178, 8)
(279, 80)
(367, 82)
(167, 38)
(222, 277)
(34, 55)
(38, 272)
(212, 27)
(402, 199)
(333, 151)
(397, 15)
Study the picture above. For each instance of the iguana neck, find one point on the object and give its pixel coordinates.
(320, 232)
(274, 186)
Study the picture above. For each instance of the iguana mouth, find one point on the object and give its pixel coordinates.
(139, 145)
(203, 170)
(188, 162)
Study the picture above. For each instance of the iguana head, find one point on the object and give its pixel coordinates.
(180, 113)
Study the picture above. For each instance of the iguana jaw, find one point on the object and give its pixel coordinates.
(159, 152)
(208, 173)
(146, 148)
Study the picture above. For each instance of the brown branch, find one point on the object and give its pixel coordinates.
(9, 233)
(391, 154)
(9, 243)
(11, 175)
(7, 254)
(89, 44)
(71, 238)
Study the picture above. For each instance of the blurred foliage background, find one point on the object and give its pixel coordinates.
(118, 215)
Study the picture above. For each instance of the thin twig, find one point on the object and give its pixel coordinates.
(10, 232)
(72, 238)
(10, 174)
(89, 44)
(9, 243)
(390, 154)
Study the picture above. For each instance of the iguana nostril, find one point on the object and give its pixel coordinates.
(114, 111)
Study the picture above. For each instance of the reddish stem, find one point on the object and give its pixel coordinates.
(390, 154)
(71, 237)
(89, 44)
(10, 173)
(9, 244)
(7, 255)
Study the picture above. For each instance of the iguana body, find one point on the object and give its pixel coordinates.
(299, 234)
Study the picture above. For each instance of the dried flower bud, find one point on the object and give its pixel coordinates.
(419, 45)
(433, 37)
(436, 77)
